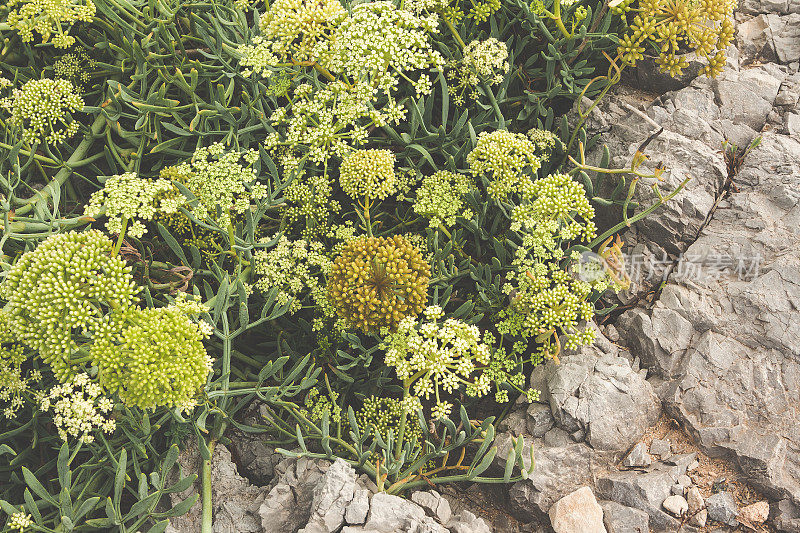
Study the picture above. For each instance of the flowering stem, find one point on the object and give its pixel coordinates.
(402, 429)
(120, 237)
(207, 503)
(557, 18)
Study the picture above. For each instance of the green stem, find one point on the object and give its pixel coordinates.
(207, 521)
(120, 237)
(58, 180)
(455, 33)
(398, 445)
(558, 21)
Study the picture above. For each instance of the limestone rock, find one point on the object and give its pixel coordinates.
(331, 497)
(356, 511)
(577, 512)
(620, 518)
(466, 522)
(287, 507)
(389, 514)
(434, 505)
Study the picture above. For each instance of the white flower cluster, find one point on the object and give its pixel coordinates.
(439, 198)
(294, 267)
(439, 357)
(46, 17)
(130, 201)
(219, 180)
(79, 409)
(41, 110)
(508, 159)
(363, 55)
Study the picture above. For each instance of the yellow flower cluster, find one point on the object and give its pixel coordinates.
(47, 17)
(377, 281)
(677, 27)
(508, 159)
(42, 110)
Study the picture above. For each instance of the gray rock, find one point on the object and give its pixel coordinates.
(620, 518)
(792, 121)
(356, 511)
(661, 447)
(559, 471)
(677, 489)
(728, 342)
(466, 522)
(643, 490)
(785, 37)
(786, 516)
(556, 438)
(390, 514)
(540, 419)
(596, 391)
(722, 508)
(638, 456)
(287, 507)
(331, 497)
(434, 505)
(577, 512)
(676, 505)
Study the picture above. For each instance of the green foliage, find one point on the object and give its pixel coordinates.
(205, 206)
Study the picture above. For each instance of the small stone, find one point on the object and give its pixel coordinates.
(756, 513)
(681, 460)
(695, 500)
(660, 447)
(693, 466)
(678, 489)
(466, 522)
(792, 124)
(577, 512)
(638, 456)
(676, 505)
(612, 333)
(684, 480)
(722, 508)
(556, 438)
(578, 435)
(699, 519)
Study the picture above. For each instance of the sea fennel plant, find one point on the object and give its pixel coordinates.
(366, 217)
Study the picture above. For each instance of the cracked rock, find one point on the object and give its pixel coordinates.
(638, 456)
(620, 518)
(722, 508)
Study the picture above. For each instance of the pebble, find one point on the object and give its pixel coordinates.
(676, 505)
(660, 447)
(722, 508)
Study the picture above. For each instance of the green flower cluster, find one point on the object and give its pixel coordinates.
(156, 358)
(379, 415)
(48, 18)
(62, 292)
(377, 281)
(439, 358)
(74, 303)
(74, 67)
(368, 173)
(545, 142)
(704, 27)
(316, 404)
(129, 201)
(14, 381)
(79, 409)
(546, 300)
(439, 198)
(42, 110)
(296, 268)
(507, 159)
(482, 61)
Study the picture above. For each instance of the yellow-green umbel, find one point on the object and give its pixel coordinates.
(377, 281)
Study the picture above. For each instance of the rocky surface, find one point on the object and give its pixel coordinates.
(577, 512)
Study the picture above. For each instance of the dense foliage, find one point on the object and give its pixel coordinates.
(367, 216)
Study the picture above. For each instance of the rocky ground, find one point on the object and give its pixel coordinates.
(685, 414)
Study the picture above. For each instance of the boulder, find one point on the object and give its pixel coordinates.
(620, 518)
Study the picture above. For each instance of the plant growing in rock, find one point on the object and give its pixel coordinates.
(366, 216)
